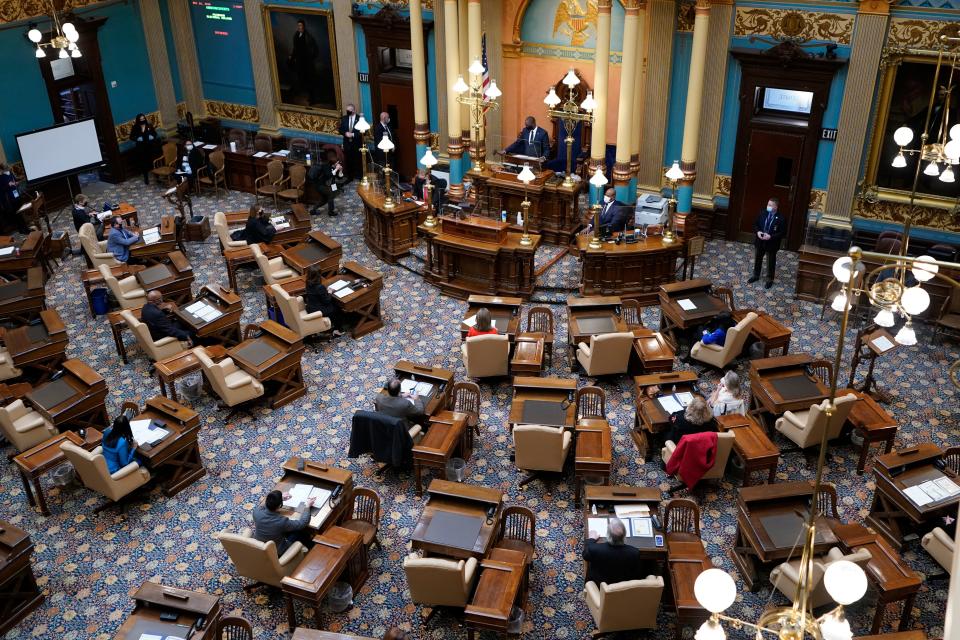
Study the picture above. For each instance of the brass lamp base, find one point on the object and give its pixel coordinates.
(595, 243)
(568, 181)
(389, 204)
(430, 221)
(364, 182)
(668, 237)
(526, 240)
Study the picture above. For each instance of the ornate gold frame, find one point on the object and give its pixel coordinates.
(268, 30)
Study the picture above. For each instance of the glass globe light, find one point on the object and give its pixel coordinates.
(884, 318)
(674, 173)
(915, 300)
(710, 630)
(588, 104)
(429, 160)
(903, 136)
(947, 175)
(923, 268)
(62, 54)
(955, 132)
(932, 169)
(34, 35)
(906, 336)
(362, 125)
(598, 179)
(899, 161)
(715, 590)
(571, 79)
(73, 36)
(476, 67)
(40, 53)
(845, 581)
(526, 176)
(835, 627)
(460, 86)
(385, 145)
(842, 266)
(952, 150)
(493, 91)
(552, 99)
(67, 27)
(839, 302)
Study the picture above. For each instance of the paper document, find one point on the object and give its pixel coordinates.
(284, 153)
(209, 146)
(146, 432)
(338, 284)
(628, 510)
(320, 516)
(471, 321)
(208, 313)
(7, 251)
(948, 486)
(151, 235)
(597, 527)
(412, 386)
(150, 636)
(684, 397)
(343, 292)
(260, 154)
(670, 404)
(918, 495)
(299, 494)
(320, 496)
(932, 489)
(196, 307)
(641, 527)
(686, 304)
(882, 343)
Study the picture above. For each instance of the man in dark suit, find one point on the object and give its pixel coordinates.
(351, 141)
(613, 561)
(769, 227)
(269, 524)
(156, 315)
(258, 227)
(613, 214)
(420, 191)
(303, 56)
(409, 407)
(533, 141)
(381, 131)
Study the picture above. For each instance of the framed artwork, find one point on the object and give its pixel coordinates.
(303, 52)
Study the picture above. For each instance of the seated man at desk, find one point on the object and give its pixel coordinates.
(120, 239)
(613, 214)
(316, 297)
(258, 227)
(533, 141)
(156, 314)
(614, 561)
(409, 406)
(269, 525)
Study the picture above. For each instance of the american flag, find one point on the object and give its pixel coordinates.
(485, 80)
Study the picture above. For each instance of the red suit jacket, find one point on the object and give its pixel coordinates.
(693, 457)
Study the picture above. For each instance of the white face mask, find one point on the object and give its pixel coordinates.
(769, 209)
(607, 199)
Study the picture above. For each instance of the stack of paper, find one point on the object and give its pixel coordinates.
(597, 527)
(670, 404)
(340, 288)
(299, 494)
(204, 311)
(6, 251)
(146, 432)
(320, 516)
(638, 527)
(209, 146)
(932, 491)
(471, 321)
(627, 510)
(419, 388)
(686, 304)
(151, 235)
(260, 154)
(684, 397)
(279, 222)
(882, 343)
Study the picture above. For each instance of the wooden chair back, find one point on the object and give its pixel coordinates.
(465, 398)
(823, 369)
(681, 515)
(298, 177)
(726, 294)
(540, 320)
(234, 628)
(365, 506)
(518, 523)
(591, 403)
(826, 501)
(630, 313)
(951, 457)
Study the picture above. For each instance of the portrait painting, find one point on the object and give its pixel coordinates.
(303, 49)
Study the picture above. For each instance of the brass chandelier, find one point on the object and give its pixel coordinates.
(64, 40)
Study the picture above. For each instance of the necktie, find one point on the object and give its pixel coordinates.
(532, 132)
(766, 227)
(351, 123)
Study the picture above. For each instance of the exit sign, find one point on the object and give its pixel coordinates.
(363, 77)
(828, 134)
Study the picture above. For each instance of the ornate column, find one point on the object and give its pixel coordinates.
(346, 53)
(186, 50)
(869, 36)
(421, 111)
(464, 45)
(621, 170)
(493, 15)
(637, 80)
(601, 76)
(451, 33)
(661, 15)
(715, 76)
(159, 63)
(262, 82)
(691, 121)
(475, 28)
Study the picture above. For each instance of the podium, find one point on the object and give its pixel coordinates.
(633, 270)
(390, 233)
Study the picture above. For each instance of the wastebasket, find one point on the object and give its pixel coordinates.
(455, 469)
(341, 597)
(515, 622)
(192, 386)
(98, 298)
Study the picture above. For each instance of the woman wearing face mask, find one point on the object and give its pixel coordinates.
(144, 136)
(10, 196)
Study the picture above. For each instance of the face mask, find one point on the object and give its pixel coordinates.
(607, 199)
(769, 209)
(349, 112)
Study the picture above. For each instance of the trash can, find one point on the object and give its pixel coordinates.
(63, 475)
(515, 622)
(341, 597)
(98, 298)
(455, 469)
(192, 386)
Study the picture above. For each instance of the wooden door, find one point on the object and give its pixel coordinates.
(396, 98)
(774, 160)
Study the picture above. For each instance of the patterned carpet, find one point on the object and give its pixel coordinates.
(88, 565)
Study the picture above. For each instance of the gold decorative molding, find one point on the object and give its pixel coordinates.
(818, 198)
(794, 25)
(686, 16)
(312, 122)
(230, 111)
(181, 111)
(897, 212)
(721, 185)
(123, 129)
(434, 140)
(16, 10)
(911, 33)
(874, 7)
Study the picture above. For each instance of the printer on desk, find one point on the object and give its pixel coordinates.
(651, 210)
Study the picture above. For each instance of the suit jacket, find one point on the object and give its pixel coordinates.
(693, 457)
(270, 525)
(349, 143)
(539, 148)
(384, 130)
(777, 228)
(613, 215)
(160, 324)
(615, 563)
(119, 241)
(385, 437)
(398, 407)
(258, 230)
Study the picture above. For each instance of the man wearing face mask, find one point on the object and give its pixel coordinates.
(533, 141)
(769, 228)
(351, 141)
(613, 214)
(9, 196)
(383, 130)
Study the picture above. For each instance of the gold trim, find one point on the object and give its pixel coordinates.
(16, 10)
(898, 212)
(434, 140)
(123, 129)
(268, 30)
(230, 111)
(721, 185)
(686, 16)
(181, 111)
(917, 34)
(312, 122)
(818, 198)
(794, 25)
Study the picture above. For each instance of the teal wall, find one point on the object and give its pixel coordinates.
(538, 21)
(679, 72)
(28, 107)
(171, 50)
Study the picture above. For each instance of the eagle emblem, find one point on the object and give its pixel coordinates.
(575, 20)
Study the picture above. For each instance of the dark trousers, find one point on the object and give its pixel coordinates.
(352, 156)
(770, 250)
(327, 193)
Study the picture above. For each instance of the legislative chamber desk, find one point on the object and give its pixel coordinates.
(871, 422)
(893, 513)
(155, 251)
(783, 383)
(606, 498)
(225, 328)
(73, 401)
(173, 278)
(543, 401)
(440, 381)
(17, 258)
(554, 209)
(171, 369)
(389, 233)
(751, 445)
(291, 230)
(587, 317)
(444, 438)
(242, 168)
(189, 607)
(175, 460)
(479, 255)
(243, 256)
(651, 353)
(22, 299)
(19, 593)
(698, 293)
(650, 419)
(318, 474)
(317, 251)
(633, 270)
(458, 521)
(46, 456)
(504, 314)
(273, 358)
(503, 584)
(38, 349)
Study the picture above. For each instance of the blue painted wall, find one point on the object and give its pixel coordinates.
(171, 50)
(679, 74)
(223, 51)
(26, 108)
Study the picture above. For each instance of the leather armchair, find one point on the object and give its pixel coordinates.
(623, 606)
(486, 356)
(230, 382)
(23, 427)
(91, 466)
(439, 582)
(223, 232)
(786, 576)
(721, 357)
(155, 349)
(95, 250)
(295, 315)
(724, 445)
(805, 428)
(7, 369)
(539, 448)
(941, 546)
(607, 354)
(274, 270)
(257, 560)
(128, 292)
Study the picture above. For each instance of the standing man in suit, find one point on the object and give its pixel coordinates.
(614, 561)
(302, 59)
(407, 406)
(533, 140)
(383, 130)
(156, 314)
(769, 227)
(351, 141)
(613, 214)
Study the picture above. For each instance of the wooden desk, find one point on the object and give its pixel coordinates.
(686, 560)
(674, 318)
(175, 367)
(321, 475)
(224, 329)
(14, 391)
(38, 349)
(463, 500)
(504, 314)
(767, 373)
(236, 258)
(887, 571)
(302, 633)
(594, 453)
(364, 302)
(635, 270)
(36, 461)
(297, 220)
(172, 278)
(652, 353)
(462, 259)
(157, 251)
(752, 445)
(317, 251)
(587, 317)
(176, 459)
(872, 423)
(441, 379)
(334, 551)
(74, 401)
(550, 390)
(758, 545)
(389, 233)
(768, 330)
(128, 213)
(649, 416)
(26, 255)
(152, 599)
(499, 588)
(242, 168)
(445, 438)
(872, 342)
(894, 515)
(22, 300)
(528, 354)
(282, 369)
(21, 594)
(604, 498)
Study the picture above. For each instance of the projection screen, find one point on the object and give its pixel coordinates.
(59, 150)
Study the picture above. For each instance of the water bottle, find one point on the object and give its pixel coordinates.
(503, 215)
(519, 219)
(308, 159)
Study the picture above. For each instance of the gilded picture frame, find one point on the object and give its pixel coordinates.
(304, 67)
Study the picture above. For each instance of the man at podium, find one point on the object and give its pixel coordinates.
(533, 141)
